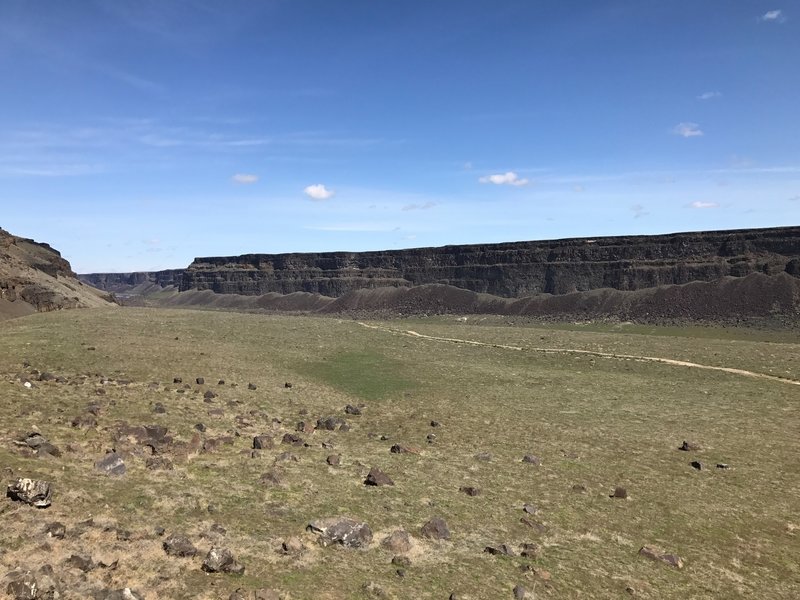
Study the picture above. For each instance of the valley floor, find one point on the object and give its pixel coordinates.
(579, 401)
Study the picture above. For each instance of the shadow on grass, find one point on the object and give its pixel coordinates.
(368, 375)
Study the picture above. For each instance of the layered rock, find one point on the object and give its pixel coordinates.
(35, 277)
(510, 269)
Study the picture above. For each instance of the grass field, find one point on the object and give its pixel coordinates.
(594, 421)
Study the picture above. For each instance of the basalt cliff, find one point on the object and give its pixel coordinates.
(34, 277)
(510, 270)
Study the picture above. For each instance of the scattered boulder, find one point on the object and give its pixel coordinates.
(177, 380)
(376, 477)
(397, 542)
(352, 410)
(263, 442)
(56, 530)
(500, 550)
(398, 449)
(293, 545)
(436, 529)
(30, 491)
(159, 408)
(431, 438)
(209, 395)
(696, 464)
(655, 554)
(687, 446)
(532, 460)
(723, 466)
(341, 530)
(530, 550)
(620, 493)
(435, 424)
(530, 509)
(483, 456)
(220, 560)
(200, 381)
(292, 439)
(334, 460)
(81, 561)
(469, 490)
(111, 464)
(159, 463)
(520, 593)
(579, 488)
(331, 423)
(179, 545)
(23, 586)
(252, 386)
(287, 385)
(535, 525)
(85, 421)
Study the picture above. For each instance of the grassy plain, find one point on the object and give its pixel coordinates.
(593, 421)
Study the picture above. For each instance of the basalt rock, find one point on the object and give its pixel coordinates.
(30, 491)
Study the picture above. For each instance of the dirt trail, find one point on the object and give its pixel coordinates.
(654, 359)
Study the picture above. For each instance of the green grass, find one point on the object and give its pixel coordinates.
(593, 421)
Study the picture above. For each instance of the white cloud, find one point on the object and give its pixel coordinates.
(687, 130)
(709, 95)
(425, 206)
(699, 204)
(773, 16)
(318, 192)
(468, 166)
(795, 198)
(244, 178)
(579, 189)
(509, 178)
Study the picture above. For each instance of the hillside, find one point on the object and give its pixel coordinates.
(35, 278)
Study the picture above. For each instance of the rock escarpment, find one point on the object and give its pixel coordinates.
(35, 277)
(122, 283)
(511, 270)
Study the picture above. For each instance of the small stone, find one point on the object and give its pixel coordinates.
(579, 488)
(334, 460)
(469, 490)
(86, 421)
(263, 442)
(401, 561)
(209, 395)
(342, 530)
(330, 423)
(436, 529)
(501, 550)
(220, 560)
(81, 562)
(23, 586)
(159, 463)
(352, 410)
(620, 492)
(200, 381)
(530, 550)
(56, 530)
(288, 385)
(530, 509)
(292, 439)
(655, 554)
(221, 382)
(689, 446)
(252, 386)
(30, 491)
(520, 593)
(111, 464)
(178, 545)
(723, 466)
(435, 424)
(397, 542)
(431, 438)
(159, 408)
(696, 464)
(532, 460)
(293, 545)
(376, 477)
(177, 380)
(483, 456)
(398, 449)
(200, 427)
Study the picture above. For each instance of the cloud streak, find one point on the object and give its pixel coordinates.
(318, 192)
(244, 178)
(697, 204)
(508, 178)
(709, 95)
(773, 16)
(687, 130)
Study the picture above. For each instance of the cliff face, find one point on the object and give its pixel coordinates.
(34, 277)
(510, 269)
(122, 283)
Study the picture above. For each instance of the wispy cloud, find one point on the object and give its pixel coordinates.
(701, 205)
(795, 198)
(773, 16)
(425, 206)
(709, 95)
(639, 211)
(353, 227)
(244, 178)
(687, 130)
(318, 192)
(508, 178)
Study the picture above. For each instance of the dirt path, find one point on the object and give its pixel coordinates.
(653, 359)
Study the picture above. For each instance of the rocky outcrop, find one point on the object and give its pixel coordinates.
(35, 277)
(514, 269)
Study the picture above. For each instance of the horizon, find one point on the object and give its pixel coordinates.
(139, 135)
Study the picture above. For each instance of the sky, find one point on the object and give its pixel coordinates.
(136, 135)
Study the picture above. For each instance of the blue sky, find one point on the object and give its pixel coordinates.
(138, 134)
